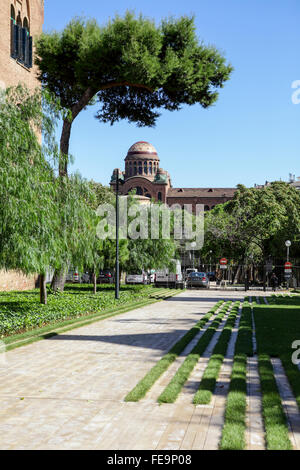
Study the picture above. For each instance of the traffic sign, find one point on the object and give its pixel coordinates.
(223, 266)
(223, 261)
(288, 265)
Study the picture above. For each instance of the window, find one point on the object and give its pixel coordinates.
(139, 191)
(145, 168)
(159, 196)
(140, 168)
(206, 208)
(21, 41)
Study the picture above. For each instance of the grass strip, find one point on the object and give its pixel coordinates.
(208, 383)
(233, 433)
(274, 417)
(172, 390)
(140, 390)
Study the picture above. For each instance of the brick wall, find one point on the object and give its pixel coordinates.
(13, 280)
(11, 72)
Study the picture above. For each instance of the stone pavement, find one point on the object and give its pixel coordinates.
(67, 392)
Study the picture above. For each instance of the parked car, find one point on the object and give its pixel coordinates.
(167, 278)
(198, 280)
(137, 278)
(189, 271)
(105, 276)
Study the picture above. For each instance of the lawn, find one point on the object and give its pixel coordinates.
(21, 312)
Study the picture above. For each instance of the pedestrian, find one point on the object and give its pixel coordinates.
(274, 281)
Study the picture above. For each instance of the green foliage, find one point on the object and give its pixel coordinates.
(28, 215)
(21, 310)
(135, 66)
(255, 223)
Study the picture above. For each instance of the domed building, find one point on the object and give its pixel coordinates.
(144, 175)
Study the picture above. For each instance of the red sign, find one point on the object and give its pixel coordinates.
(288, 265)
(223, 261)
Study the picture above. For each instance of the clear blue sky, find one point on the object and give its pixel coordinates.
(249, 136)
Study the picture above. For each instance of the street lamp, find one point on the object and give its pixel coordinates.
(210, 252)
(117, 275)
(193, 245)
(288, 244)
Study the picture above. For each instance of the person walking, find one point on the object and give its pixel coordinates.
(274, 281)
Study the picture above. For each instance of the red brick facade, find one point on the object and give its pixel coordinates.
(12, 71)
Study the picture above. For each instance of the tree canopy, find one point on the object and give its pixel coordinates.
(131, 67)
(255, 223)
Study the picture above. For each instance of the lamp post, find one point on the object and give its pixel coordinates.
(117, 269)
(193, 245)
(288, 244)
(210, 252)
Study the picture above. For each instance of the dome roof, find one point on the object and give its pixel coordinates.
(142, 150)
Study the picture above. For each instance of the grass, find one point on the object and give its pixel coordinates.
(16, 307)
(233, 433)
(211, 373)
(171, 392)
(277, 326)
(274, 418)
(144, 385)
(21, 311)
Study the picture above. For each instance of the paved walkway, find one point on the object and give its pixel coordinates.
(67, 392)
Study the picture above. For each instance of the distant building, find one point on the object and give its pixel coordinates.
(144, 174)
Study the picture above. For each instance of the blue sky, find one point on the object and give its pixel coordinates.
(249, 136)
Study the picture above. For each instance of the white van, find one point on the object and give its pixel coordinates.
(140, 278)
(166, 278)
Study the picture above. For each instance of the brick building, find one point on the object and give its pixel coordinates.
(144, 174)
(20, 22)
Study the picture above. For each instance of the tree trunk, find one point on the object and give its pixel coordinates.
(59, 279)
(95, 282)
(43, 289)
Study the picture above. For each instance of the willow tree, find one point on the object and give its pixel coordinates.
(131, 67)
(28, 209)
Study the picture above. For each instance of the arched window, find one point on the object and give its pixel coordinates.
(150, 168)
(140, 168)
(19, 21)
(148, 195)
(159, 197)
(21, 41)
(206, 208)
(12, 13)
(145, 168)
(139, 191)
(26, 24)
(135, 169)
